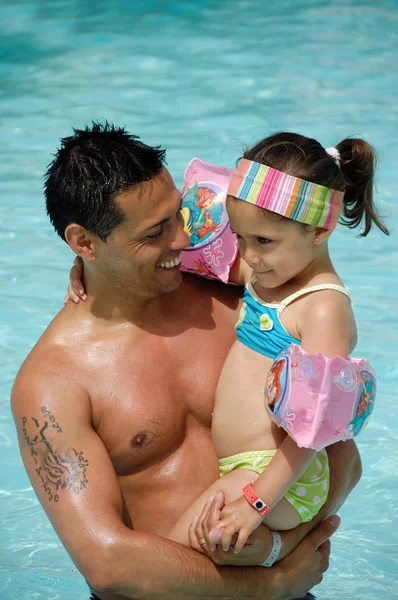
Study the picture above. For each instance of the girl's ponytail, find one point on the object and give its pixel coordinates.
(358, 161)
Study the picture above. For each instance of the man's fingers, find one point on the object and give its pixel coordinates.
(213, 519)
(324, 550)
(200, 528)
(193, 539)
(325, 530)
(215, 510)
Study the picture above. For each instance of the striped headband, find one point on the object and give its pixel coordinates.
(286, 195)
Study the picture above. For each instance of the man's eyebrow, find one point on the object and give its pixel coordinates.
(156, 224)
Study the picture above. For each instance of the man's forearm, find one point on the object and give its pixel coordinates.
(345, 472)
(146, 566)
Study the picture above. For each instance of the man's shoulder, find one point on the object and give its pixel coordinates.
(200, 286)
(58, 336)
(53, 357)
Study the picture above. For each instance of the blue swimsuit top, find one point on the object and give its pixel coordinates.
(259, 326)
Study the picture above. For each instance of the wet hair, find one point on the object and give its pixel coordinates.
(305, 158)
(89, 169)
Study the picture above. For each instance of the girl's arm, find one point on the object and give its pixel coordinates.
(328, 326)
(285, 468)
(239, 274)
(76, 291)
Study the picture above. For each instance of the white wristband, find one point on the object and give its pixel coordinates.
(276, 548)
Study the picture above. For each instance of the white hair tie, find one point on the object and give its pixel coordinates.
(335, 154)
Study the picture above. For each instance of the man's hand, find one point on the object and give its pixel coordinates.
(293, 576)
(296, 574)
(254, 552)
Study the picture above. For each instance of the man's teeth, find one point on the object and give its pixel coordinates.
(169, 264)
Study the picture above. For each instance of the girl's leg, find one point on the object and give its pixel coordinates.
(283, 515)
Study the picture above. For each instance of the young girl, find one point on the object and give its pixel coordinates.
(283, 202)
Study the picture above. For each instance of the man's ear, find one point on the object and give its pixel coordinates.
(320, 235)
(81, 241)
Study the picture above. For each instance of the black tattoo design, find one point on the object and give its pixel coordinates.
(58, 469)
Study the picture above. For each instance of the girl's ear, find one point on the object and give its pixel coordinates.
(320, 235)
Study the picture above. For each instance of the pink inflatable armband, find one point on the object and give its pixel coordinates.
(319, 400)
(213, 245)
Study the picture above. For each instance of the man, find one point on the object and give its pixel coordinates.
(113, 405)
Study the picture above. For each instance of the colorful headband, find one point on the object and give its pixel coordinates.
(285, 195)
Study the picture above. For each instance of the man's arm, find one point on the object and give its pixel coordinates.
(345, 472)
(74, 479)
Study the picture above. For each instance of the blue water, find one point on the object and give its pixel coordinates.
(200, 78)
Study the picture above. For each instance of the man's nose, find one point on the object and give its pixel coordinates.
(181, 238)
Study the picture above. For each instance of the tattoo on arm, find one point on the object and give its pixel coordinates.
(57, 468)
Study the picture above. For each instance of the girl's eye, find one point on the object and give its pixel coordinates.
(262, 240)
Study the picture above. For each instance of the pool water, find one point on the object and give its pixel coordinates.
(202, 79)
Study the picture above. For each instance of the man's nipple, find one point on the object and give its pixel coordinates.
(141, 439)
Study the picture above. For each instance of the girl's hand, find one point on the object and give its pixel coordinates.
(75, 289)
(254, 552)
(236, 517)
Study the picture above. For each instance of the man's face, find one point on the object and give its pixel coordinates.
(142, 254)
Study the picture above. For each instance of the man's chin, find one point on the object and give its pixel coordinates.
(172, 285)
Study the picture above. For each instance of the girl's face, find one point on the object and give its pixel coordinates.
(277, 249)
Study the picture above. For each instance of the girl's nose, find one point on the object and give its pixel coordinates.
(251, 258)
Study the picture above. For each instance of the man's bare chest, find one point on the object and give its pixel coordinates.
(146, 394)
